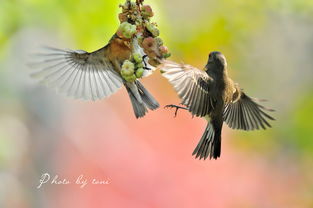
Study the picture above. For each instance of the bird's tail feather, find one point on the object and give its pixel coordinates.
(146, 100)
(139, 107)
(209, 144)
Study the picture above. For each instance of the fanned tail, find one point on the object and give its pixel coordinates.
(147, 98)
(210, 143)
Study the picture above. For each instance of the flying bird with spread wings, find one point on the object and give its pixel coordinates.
(95, 75)
(132, 53)
(212, 95)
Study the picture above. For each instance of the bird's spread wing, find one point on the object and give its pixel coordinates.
(246, 114)
(78, 74)
(192, 86)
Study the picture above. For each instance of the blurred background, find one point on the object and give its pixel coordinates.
(269, 47)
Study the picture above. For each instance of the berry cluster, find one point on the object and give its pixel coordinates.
(133, 68)
(136, 23)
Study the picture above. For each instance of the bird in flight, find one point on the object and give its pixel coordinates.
(133, 51)
(96, 75)
(212, 95)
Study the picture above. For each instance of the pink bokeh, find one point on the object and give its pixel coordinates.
(149, 164)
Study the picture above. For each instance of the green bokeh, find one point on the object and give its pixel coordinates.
(224, 25)
(190, 29)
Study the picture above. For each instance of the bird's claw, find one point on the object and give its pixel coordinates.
(177, 108)
(144, 62)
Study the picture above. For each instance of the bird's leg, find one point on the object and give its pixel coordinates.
(144, 62)
(177, 108)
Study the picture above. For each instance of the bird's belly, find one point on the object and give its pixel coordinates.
(117, 58)
(123, 55)
(120, 53)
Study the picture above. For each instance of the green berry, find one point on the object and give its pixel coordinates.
(123, 26)
(139, 72)
(139, 65)
(126, 77)
(131, 78)
(128, 68)
(127, 30)
(153, 29)
(137, 57)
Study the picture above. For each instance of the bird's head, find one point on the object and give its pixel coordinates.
(216, 60)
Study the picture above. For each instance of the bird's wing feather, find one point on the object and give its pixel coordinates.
(192, 86)
(246, 114)
(78, 74)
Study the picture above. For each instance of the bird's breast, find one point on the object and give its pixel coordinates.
(230, 89)
(118, 51)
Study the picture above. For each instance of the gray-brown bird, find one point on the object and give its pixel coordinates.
(95, 75)
(211, 94)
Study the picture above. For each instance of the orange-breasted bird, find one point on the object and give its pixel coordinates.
(212, 95)
(96, 75)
